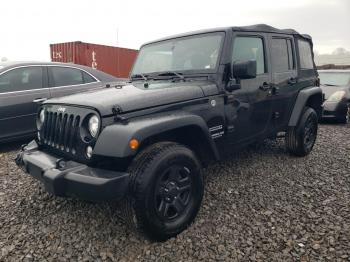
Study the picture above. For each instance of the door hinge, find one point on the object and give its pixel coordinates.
(276, 115)
(230, 128)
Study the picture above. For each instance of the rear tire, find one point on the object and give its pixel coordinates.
(301, 138)
(166, 190)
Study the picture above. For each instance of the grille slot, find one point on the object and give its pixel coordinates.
(60, 131)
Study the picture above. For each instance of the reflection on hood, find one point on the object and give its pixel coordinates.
(134, 96)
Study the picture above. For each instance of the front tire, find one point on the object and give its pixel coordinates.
(301, 138)
(166, 190)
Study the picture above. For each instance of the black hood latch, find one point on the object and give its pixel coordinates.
(117, 110)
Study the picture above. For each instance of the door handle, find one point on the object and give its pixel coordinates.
(39, 100)
(265, 86)
(292, 81)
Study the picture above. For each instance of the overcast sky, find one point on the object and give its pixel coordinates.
(28, 27)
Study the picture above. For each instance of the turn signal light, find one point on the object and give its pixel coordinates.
(133, 144)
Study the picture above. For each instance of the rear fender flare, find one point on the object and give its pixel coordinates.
(301, 101)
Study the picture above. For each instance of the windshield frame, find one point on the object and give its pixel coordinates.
(324, 72)
(191, 71)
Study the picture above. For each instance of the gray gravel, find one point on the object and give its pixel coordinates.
(260, 205)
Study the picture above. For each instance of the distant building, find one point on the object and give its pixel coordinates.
(336, 59)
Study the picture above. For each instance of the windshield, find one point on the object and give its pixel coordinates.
(334, 78)
(199, 52)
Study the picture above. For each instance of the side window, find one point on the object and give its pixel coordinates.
(21, 79)
(282, 55)
(249, 48)
(305, 55)
(88, 78)
(65, 76)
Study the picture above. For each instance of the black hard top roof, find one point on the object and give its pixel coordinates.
(251, 28)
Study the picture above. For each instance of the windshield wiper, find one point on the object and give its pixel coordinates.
(329, 85)
(138, 76)
(172, 73)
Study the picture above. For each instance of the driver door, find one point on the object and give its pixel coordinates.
(249, 109)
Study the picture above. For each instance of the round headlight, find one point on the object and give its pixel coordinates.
(94, 124)
(41, 119)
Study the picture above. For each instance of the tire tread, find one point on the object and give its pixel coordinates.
(142, 162)
(293, 139)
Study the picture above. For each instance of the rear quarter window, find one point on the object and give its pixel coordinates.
(282, 55)
(305, 55)
(88, 78)
(65, 76)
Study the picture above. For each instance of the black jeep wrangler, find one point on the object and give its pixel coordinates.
(192, 99)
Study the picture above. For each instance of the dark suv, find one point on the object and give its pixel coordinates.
(192, 98)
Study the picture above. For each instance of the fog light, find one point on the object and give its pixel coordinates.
(89, 151)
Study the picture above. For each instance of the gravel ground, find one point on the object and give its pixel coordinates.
(259, 205)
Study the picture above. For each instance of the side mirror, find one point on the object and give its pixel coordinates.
(241, 70)
(244, 69)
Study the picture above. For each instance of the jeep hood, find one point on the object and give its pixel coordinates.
(133, 96)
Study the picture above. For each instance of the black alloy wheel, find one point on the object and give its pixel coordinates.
(347, 115)
(173, 192)
(310, 133)
(166, 190)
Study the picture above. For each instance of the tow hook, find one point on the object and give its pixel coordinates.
(60, 164)
(19, 157)
(19, 160)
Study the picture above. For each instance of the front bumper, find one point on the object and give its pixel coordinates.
(69, 178)
(334, 110)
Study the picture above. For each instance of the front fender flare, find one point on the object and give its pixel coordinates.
(114, 139)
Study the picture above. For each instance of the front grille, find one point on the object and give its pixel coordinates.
(60, 131)
(64, 131)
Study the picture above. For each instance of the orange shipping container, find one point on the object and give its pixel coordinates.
(109, 59)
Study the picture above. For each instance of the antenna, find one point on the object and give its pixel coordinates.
(117, 36)
(118, 51)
